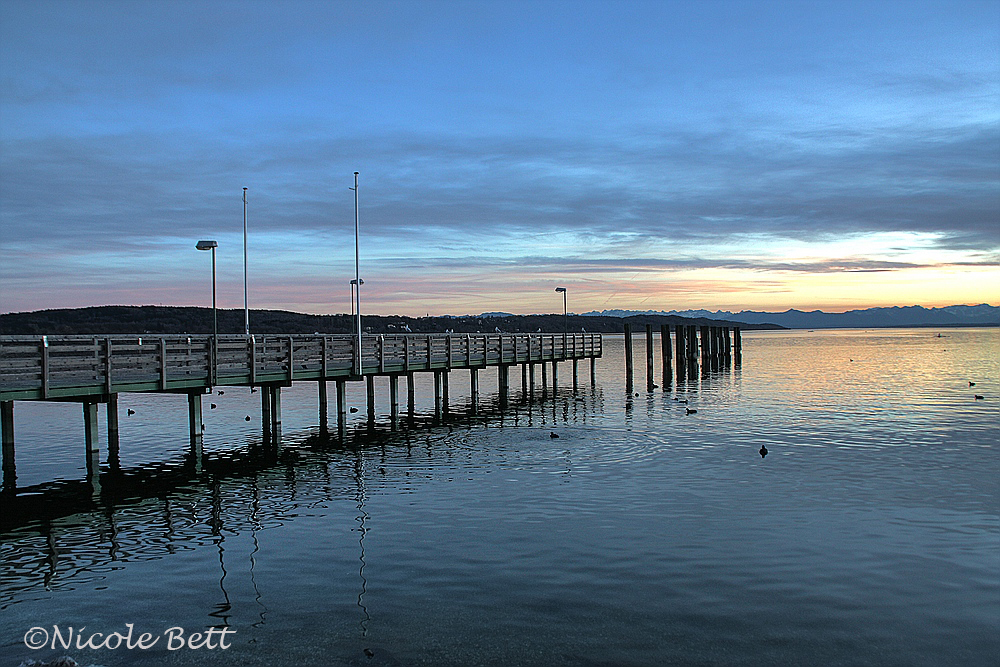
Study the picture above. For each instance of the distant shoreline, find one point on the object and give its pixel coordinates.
(198, 320)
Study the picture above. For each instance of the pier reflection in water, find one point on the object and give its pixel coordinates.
(640, 535)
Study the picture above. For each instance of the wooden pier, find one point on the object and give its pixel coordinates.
(93, 370)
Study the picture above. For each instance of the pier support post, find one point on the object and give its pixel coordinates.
(555, 377)
(7, 425)
(341, 407)
(411, 394)
(576, 377)
(524, 379)
(370, 388)
(737, 346)
(445, 398)
(438, 412)
(265, 412)
(93, 448)
(545, 379)
(628, 358)
(503, 384)
(323, 408)
(593, 371)
(114, 457)
(195, 428)
(394, 401)
(474, 389)
(275, 391)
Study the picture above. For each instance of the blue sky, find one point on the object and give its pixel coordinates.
(664, 155)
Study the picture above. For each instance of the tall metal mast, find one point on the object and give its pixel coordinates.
(246, 302)
(357, 269)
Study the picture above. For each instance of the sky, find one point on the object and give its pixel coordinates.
(643, 155)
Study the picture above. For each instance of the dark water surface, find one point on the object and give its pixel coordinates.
(642, 535)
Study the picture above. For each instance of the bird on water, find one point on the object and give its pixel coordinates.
(763, 451)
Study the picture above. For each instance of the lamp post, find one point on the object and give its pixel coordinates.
(354, 283)
(212, 245)
(357, 272)
(565, 318)
(246, 302)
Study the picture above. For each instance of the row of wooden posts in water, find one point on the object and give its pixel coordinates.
(715, 350)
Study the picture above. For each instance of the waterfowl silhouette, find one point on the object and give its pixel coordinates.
(130, 412)
(978, 397)
(763, 451)
(248, 417)
(221, 392)
(971, 383)
(353, 410)
(214, 406)
(690, 411)
(553, 434)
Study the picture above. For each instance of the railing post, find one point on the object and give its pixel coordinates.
(107, 366)
(45, 366)
(163, 364)
(381, 353)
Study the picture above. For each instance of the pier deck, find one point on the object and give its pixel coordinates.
(82, 367)
(93, 370)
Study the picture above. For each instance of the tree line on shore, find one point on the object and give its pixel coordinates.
(198, 320)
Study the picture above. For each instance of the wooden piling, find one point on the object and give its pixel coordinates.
(665, 354)
(681, 347)
(628, 358)
(649, 358)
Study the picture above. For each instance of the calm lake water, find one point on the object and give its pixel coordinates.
(642, 535)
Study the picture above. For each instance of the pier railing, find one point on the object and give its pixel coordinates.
(54, 367)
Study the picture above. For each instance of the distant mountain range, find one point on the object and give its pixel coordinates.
(869, 318)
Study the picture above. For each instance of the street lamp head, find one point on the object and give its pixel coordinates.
(206, 245)
(354, 281)
(560, 289)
